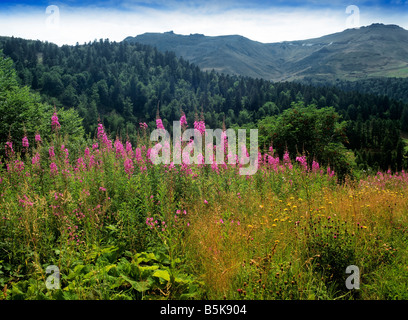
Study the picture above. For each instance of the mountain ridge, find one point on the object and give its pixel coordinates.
(377, 50)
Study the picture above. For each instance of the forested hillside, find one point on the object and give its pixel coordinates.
(124, 84)
(394, 88)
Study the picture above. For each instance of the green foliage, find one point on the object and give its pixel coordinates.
(315, 132)
(331, 247)
(111, 275)
(23, 113)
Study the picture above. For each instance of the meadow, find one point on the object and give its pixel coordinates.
(119, 227)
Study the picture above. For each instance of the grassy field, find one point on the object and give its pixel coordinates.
(118, 227)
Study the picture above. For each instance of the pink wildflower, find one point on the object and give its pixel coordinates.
(92, 161)
(129, 168)
(183, 121)
(19, 166)
(119, 148)
(9, 148)
(200, 126)
(51, 152)
(159, 123)
(53, 168)
(65, 150)
(302, 161)
(286, 157)
(330, 172)
(36, 159)
(129, 149)
(54, 122)
(81, 164)
(102, 136)
(315, 166)
(25, 142)
(138, 155)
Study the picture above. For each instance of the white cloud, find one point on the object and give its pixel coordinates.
(267, 25)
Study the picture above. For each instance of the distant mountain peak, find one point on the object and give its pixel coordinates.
(381, 25)
(369, 51)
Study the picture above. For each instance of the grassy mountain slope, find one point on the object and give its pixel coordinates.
(372, 51)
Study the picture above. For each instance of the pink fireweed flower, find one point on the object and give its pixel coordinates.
(51, 152)
(120, 151)
(286, 157)
(9, 148)
(183, 121)
(159, 123)
(25, 142)
(260, 160)
(24, 202)
(36, 159)
(214, 166)
(200, 126)
(37, 138)
(244, 154)
(65, 150)
(53, 168)
(81, 164)
(129, 167)
(224, 139)
(143, 125)
(92, 162)
(205, 201)
(102, 136)
(138, 155)
(17, 166)
(315, 166)
(129, 149)
(200, 159)
(302, 161)
(148, 152)
(54, 122)
(330, 172)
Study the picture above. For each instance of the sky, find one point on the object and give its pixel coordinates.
(73, 21)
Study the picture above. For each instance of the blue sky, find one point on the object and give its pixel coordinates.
(71, 21)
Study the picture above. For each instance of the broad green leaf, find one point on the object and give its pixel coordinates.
(145, 257)
(162, 274)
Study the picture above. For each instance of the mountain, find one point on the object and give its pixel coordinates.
(373, 51)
